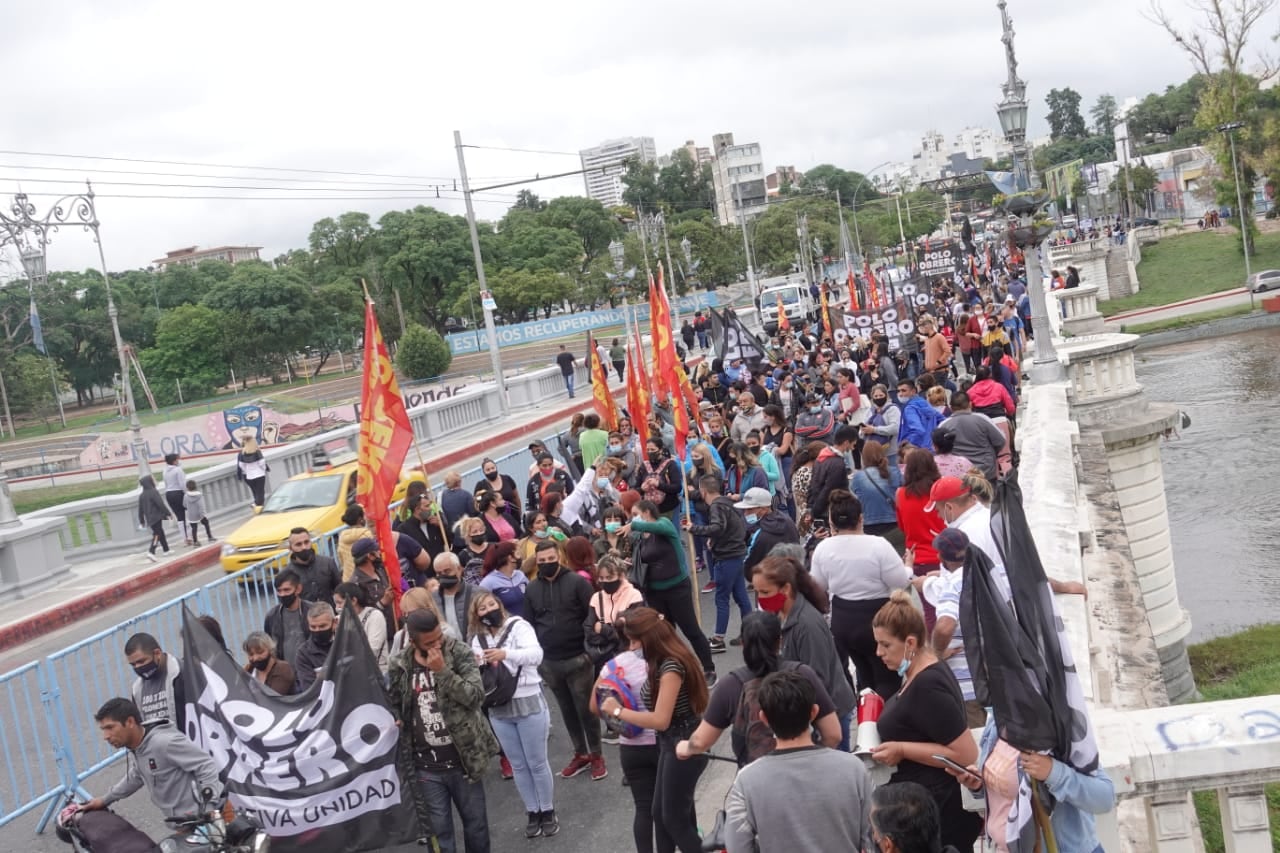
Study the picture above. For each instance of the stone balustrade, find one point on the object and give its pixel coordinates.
(1079, 310)
(1101, 371)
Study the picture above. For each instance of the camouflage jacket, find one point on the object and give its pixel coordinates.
(461, 694)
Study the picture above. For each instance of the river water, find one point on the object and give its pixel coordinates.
(1221, 477)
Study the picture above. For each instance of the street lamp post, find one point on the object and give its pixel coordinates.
(1229, 130)
(22, 222)
(1012, 111)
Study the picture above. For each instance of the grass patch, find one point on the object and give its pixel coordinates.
(1186, 320)
(1234, 667)
(1189, 265)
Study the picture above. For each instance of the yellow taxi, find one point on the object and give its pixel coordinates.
(315, 499)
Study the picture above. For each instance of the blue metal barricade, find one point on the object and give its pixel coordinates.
(34, 773)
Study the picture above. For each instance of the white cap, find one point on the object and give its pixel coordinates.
(756, 498)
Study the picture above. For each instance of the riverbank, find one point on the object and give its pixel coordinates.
(1238, 665)
(1200, 326)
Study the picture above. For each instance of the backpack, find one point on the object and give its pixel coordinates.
(499, 682)
(751, 737)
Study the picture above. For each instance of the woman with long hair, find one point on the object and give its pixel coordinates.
(504, 578)
(418, 598)
(859, 572)
(874, 486)
(743, 472)
(658, 477)
(920, 525)
(500, 525)
(539, 528)
(677, 694)
(784, 588)
(349, 600)
(580, 557)
(523, 723)
(475, 535)
(572, 438)
(762, 654)
(801, 475)
(924, 718)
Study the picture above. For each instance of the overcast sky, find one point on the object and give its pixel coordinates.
(379, 87)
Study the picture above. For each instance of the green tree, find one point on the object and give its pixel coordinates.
(268, 314)
(345, 243)
(191, 348)
(528, 200)
(716, 251)
(1065, 121)
(422, 353)
(1104, 115)
(1144, 180)
(425, 255)
(30, 386)
(682, 184)
(851, 185)
(339, 314)
(1170, 115)
(587, 218)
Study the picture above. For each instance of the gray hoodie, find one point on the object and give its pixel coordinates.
(167, 762)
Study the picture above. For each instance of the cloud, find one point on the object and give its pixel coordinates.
(379, 87)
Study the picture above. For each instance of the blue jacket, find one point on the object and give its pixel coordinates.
(919, 420)
(876, 496)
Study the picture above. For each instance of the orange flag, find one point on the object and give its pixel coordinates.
(826, 314)
(600, 396)
(638, 394)
(784, 322)
(873, 292)
(664, 349)
(385, 438)
(855, 304)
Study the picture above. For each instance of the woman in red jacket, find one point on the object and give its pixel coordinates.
(918, 526)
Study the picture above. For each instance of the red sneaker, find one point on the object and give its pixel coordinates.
(598, 770)
(579, 764)
(506, 768)
(710, 587)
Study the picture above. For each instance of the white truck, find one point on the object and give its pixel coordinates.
(796, 301)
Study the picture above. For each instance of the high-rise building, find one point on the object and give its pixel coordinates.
(936, 157)
(737, 175)
(606, 163)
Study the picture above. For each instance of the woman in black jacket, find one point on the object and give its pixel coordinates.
(658, 478)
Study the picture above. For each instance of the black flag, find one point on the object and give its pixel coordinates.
(317, 769)
(735, 340)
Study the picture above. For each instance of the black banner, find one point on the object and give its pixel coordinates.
(894, 321)
(940, 258)
(318, 769)
(735, 340)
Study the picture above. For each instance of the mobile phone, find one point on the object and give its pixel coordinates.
(956, 767)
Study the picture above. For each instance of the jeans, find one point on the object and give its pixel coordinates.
(568, 382)
(570, 682)
(675, 821)
(524, 742)
(443, 790)
(640, 769)
(676, 606)
(702, 340)
(846, 727)
(729, 580)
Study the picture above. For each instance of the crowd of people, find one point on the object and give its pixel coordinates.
(829, 496)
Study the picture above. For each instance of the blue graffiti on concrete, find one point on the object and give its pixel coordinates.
(566, 324)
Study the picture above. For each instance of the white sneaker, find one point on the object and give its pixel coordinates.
(152, 557)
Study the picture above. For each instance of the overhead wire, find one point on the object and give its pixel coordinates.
(101, 171)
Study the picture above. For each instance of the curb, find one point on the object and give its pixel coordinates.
(1221, 294)
(62, 615)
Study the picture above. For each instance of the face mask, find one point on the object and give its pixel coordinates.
(772, 603)
(602, 483)
(611, 587)
(615, 450)
(492, 475)
(448, 581)
(815, 409)
(903, 667)
(286, 601)
(750, 518)
(612, 526)
(323, 639)
(260, 664)
(542, 534)
(547, 571)
(492, 619)
(147, 670)
(879, 401)
(477, 540)
(655, 458)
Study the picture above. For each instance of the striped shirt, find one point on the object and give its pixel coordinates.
(943, 592)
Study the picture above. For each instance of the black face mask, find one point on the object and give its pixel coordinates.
(655, 458)
(261, 663)
(286, 601)
(477, 540)
(611, 587)
(547, 571)
(147, 670)
(492, 619)
(304, 557)
(323, 639)
(879, 401)
(448, 581)
(492, 475)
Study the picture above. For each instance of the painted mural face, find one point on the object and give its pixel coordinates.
(243, 422)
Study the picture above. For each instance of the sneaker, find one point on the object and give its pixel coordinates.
(534, 827)
(711, 677)
(152, 557)
(506, 768)
(710, 587)
(736, 641)
(579, 764)
(550, 826)
(598, 770)
(717, 646)
(609, 736)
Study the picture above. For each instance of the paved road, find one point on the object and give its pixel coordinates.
(1200, 305)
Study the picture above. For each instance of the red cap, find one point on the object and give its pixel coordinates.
(945, 489)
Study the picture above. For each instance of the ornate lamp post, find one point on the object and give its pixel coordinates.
(1012, 112)
(21, 223)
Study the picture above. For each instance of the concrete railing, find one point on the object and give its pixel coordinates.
(1063, 254)
(1079, 310)
(1100, 368)
(106, 526)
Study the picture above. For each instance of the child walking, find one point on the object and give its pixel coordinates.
(193, 501)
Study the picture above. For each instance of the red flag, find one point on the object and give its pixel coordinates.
(600, 396)
(664, 349)
(784, 322)
(638, 394)
(385, 438)
(855, 304)
(826, 314)
(873, 292)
